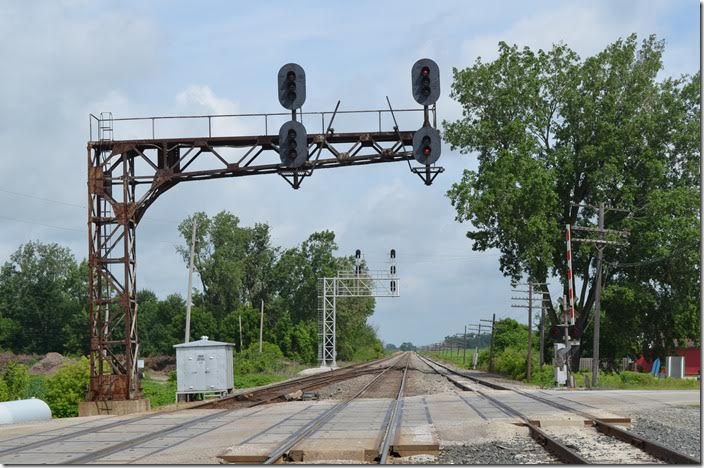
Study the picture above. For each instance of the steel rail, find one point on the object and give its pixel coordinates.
(319, 421)
(551, 444)
(281, 389)
(653, 448)
(390, 431)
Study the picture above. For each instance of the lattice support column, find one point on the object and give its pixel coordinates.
(111, 279)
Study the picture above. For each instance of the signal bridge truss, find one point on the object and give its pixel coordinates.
(131, 162)
(374, 283)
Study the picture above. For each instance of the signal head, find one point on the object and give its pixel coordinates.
(292, 86)
(426, 145)
(425, 82)
(293, 144)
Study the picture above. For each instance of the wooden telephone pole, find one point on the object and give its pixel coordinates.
(600, 242)
(531, 285)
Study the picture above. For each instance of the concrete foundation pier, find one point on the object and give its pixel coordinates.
(113, 407)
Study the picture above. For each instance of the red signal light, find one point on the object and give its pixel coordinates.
(427, 150)
(425, 71)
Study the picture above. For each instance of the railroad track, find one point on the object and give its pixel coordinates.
(552, 444)
(390, 423)
(227, 405)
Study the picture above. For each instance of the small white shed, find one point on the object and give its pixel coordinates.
(204, 366)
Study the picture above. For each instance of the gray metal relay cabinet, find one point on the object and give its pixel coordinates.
(204, 367)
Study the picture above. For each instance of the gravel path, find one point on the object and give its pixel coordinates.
(676, 427)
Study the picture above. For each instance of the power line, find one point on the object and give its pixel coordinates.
(40, 224)
(75, 205)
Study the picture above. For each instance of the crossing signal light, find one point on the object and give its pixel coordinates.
(425, 79)
(426, 145)
(292, 86)
(293, 144)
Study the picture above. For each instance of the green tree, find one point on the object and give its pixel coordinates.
(551, 131)
(161, 322)
(234, 263)
(42, 287)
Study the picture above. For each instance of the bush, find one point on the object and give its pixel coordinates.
(483, 359)
(4, 392)
(159, 393)
(67, 387)
(544, 377)
(37, 387)
(16, 378)
(637, 378)
(252, 361)
(512, 362)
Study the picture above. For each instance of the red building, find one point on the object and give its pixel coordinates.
(692, 360)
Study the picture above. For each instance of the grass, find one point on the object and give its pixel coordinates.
(255, 380)
(623, 380)
(454, 357)
(162, 393)
(636, 381)
(158, 392)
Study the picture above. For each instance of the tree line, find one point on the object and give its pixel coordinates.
(44, 301)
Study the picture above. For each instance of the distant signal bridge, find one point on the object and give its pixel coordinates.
(357, 283)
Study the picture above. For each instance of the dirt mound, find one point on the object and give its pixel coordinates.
(7, 357)
(160, 363)
(49, 364)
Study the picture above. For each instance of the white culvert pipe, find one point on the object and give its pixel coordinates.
(20, 411)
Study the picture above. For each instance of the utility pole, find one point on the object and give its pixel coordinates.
(542, 335)
(189, 304)
(473, 329)
(261, 327)
(240, 320)
(464, 350)
(600, 243)
(476, 348)
(491, 345)
(597, 300)
(529, 306)
(530, 330)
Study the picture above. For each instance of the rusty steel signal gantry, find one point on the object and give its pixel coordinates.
(126, 176)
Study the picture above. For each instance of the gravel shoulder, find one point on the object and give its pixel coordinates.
(676, 427)
(514, 450)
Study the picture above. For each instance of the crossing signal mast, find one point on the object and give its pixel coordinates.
(125, 176)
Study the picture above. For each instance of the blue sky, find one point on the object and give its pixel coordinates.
(63, 59)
